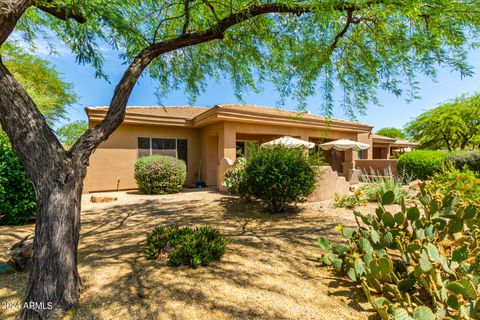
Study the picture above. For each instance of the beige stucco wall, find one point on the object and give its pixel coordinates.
(112, 164)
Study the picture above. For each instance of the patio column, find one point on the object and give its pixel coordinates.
(227, 153)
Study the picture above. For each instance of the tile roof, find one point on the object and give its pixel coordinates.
(191, 112)
(377, 136)
(184, 112)
(281, 112)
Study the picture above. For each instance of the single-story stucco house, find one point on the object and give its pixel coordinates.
(209, 140)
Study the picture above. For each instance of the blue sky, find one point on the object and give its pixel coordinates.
(394, 112)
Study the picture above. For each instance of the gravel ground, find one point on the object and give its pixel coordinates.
(270, 270)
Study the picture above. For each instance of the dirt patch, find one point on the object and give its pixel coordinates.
(270, 270)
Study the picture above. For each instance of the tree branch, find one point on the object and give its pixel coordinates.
(87, 143)
(61, 12)
(344, 30)
(34, 142)
(186, 4)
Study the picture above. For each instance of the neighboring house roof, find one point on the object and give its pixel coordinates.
(395, 143)
(382, 139)
(192, 116)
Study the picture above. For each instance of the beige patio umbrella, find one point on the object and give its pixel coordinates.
(289, 142)
(344, 144)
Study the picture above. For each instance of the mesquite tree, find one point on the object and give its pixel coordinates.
(352, 46)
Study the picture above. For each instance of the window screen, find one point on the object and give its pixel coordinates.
(166, 147)
(182, 150)
(143, 147)
(177, 148)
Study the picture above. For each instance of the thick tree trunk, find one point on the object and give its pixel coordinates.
(54, 284)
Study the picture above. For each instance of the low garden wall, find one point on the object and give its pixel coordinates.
(376, 166)
(329, 184)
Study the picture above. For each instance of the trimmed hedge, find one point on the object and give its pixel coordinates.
(17, 196)
(160, 174)
(470, 160)
(421, 164)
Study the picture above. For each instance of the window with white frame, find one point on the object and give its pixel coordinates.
(176, 148)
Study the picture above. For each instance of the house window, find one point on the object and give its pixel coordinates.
(360, 154)
(177, 148)
(246, 148)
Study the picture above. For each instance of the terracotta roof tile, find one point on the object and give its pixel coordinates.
(377, 136)
(184, 112)
(191, 112)
(281, 112)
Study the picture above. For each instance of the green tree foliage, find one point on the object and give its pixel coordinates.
(392, 133)
(355, 47)
(43, 83)
(70, 132)
(452, 125)
(17, 197)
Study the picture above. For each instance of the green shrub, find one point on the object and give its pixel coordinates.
(454, 182)
(17, 196)
(419, 263)
(350, 201)
(235, 179)
(186, 246)
(421, 164)
(470, 160)
(160, 174)
(279, 176)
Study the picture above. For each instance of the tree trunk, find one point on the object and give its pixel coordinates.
(54, 284)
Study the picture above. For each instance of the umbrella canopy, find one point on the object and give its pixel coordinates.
(344, 144)
(290, 142)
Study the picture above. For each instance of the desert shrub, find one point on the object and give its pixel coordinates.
(376, 186)
(350, 201)
(422, 262)
(17, 196)
(186, 246)
(235, 179)
(470, 160)
(421, 164)
(279, 176)
(160, 174)
(452, 181)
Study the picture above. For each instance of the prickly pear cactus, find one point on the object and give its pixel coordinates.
(421, 263)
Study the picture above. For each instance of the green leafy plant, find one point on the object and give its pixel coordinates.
(421, 164)
(350, 201)
(451, 181)
(470, 160)
(186, 246)
(160, 174)
(235, 179)
(421, 262)
(279, 176)
(17, 197)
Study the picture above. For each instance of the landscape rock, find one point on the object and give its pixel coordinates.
(97, 199)
(21, 254)
(415, 184)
